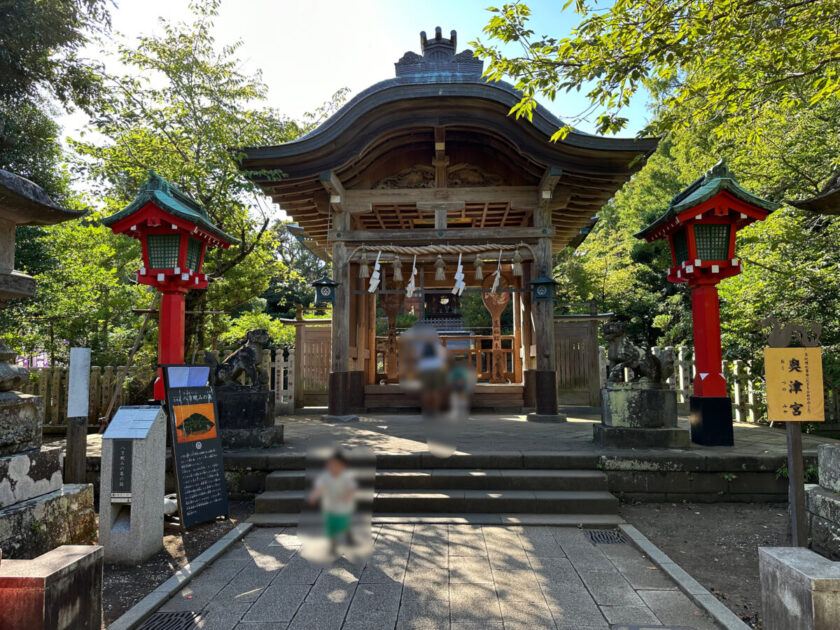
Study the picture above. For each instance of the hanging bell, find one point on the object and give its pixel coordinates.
(479, 272)
(440, 268)
(364, 271)
(397, 269)
(517, 263)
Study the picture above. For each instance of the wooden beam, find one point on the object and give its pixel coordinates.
(549, 181)
(362, 201)
(462, 234)
(334, 187)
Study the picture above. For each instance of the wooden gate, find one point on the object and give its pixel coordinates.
(313, 354)
(576, 344)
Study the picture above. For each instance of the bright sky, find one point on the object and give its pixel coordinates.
(308, 49)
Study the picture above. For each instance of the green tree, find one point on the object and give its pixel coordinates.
(719, 61)
(180, 109)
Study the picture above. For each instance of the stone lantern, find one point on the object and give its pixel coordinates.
(700, 227)
(38, 512)
(174, 232)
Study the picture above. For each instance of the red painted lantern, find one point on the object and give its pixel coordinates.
(700, 226)
(174, 232)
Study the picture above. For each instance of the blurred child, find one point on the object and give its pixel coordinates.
(335, 487)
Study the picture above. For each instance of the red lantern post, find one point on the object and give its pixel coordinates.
(174, 232)
(700, 227)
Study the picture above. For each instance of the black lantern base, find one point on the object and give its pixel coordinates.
(711, 421)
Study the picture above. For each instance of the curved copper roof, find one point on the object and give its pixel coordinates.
(381, 126)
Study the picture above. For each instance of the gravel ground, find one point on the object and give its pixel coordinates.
(124, 585)
(717, 544)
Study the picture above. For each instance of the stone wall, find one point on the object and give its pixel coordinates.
(823, 501)
(35, 526)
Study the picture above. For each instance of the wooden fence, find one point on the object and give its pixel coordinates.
(745, 388)
(51, 384)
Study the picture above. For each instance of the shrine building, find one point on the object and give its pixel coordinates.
(429, 166)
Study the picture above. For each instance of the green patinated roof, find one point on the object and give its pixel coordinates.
(167, 197)
(718, 179)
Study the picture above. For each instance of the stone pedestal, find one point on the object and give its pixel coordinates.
(246, 417)
(823, 504)
(799, 589)
(711, 420)
(132, 485)
(639, 415)
(59, 590)
(37, 512)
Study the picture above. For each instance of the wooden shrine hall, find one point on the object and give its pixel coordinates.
(430, 166)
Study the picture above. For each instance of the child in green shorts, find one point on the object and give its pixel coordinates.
(335, 487)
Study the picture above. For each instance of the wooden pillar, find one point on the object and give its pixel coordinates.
(545, 383)
(297, 367)
(371, 336)
(339, 374)
(517, 335)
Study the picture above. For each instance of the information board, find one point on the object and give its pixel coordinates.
(794, 384)
(196, 446)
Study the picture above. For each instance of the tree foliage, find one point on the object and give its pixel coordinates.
(721, 60)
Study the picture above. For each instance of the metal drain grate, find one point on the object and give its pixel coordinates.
(605, 536)
(172, 621)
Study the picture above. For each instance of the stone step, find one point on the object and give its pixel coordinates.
(461, 479)
(461, 501)
(497, 460)
(600, 521)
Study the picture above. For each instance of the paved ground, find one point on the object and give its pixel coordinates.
(456, 577)
(509, 432)
(493, 432)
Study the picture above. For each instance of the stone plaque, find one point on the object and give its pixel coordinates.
(121, 471)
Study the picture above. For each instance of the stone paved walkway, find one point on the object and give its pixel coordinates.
(395, 433)
(456, 577)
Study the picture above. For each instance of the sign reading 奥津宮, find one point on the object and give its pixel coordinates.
(196, 445)
(794, 384)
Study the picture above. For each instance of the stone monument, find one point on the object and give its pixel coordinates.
(37, 512)
(638, 409)
(131, 498)
(246, 412)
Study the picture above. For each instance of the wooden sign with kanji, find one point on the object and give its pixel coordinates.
(794, 384)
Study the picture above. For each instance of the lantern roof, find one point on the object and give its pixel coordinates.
(25, 203)
(717, 180)
(167, 197)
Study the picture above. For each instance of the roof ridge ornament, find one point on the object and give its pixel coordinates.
(438, 56)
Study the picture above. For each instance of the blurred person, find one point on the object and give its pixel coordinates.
(462, 380)
(335, 488)
(430, 362)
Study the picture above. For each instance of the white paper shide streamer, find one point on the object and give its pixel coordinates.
(460, 285)
(497, 274)
(412, 286)
(375, 276)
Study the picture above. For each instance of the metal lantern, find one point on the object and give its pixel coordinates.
(543, 288)
(174, 232)
(324, 291)
(700, 226)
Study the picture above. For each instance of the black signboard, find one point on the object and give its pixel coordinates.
(196, 445)
(121, 459)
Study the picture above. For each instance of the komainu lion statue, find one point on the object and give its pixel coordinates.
(244, 360)
(623, 354)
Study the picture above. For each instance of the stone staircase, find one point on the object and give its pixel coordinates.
(462, 488)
